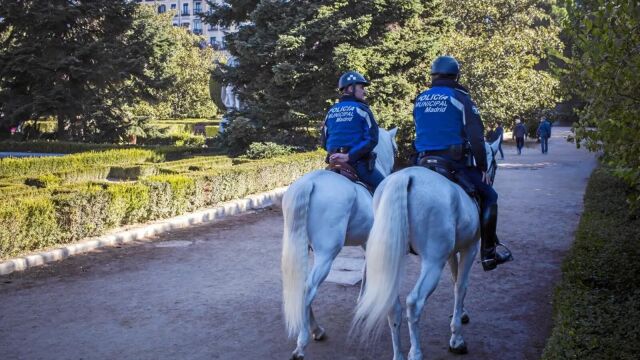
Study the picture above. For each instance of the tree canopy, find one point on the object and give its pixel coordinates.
(603, 72)
(188, 64)
(83, 62)
(504, 47)
(291, 53)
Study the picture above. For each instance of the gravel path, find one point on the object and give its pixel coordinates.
(213, 291)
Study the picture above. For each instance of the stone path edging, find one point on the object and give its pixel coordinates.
(252, 202)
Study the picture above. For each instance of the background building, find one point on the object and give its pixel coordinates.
(187, 14)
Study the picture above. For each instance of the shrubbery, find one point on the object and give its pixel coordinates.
(167, 152)
(597, 305)
(38, 166)
(267, 150)
(67, 213)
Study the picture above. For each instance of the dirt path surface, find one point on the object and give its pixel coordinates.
(213, 291)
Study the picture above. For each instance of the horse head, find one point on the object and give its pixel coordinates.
(386, 150)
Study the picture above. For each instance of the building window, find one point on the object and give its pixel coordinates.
(185, 25)
(185, 9)
(197, 8)
(173, 6)
(162, 9)
(197, 27)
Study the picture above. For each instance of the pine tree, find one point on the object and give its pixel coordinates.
(291, 54)
(83, 62)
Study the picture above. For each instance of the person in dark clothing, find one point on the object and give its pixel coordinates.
(544, 133)
(490, 135)
(350, 131)
(519, 133)
(448, 125)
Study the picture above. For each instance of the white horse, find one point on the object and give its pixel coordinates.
(322, 210)
(420, 207)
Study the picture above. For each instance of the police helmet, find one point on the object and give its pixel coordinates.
(445, 65)
(351, 78)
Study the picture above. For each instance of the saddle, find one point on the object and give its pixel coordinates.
(349, 172)
(446, 168)
(343, 169)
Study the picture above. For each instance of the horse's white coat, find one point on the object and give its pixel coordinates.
(419, 207)
(323, 210)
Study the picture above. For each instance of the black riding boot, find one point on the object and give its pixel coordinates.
(489, 240)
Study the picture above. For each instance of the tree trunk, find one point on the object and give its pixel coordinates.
(61, 132)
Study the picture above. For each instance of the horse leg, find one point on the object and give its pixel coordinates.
(429, 276)
(317, 331)
(395, 320)
(321, 267)
(453, 265)
(456, 343)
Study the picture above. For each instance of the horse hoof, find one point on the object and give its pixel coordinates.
(465, 319)
(296, 357)
(460, 350)
(319, 334)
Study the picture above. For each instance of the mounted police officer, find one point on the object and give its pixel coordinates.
(448, 125)
(350, 131)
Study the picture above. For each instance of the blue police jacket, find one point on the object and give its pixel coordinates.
(444, 116)
(350, 123)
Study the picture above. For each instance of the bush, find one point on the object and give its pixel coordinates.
(72, 212)
(129, 203)
(180, 193)
(597, 304)
(37, 166)
(195, 164)
(166, 151)
(131, 172)
(267, 150)
(27, 224)
(82, 213)
(20, 191)
(44, 181)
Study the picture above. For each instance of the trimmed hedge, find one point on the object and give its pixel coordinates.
(597, 305)
(18, 191)
(195, 164)
(27, 225)
(73, 212)
(11, 167)
(131, 172)
(66, 147)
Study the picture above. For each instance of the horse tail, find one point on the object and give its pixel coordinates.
(295, 242)
(386, 250)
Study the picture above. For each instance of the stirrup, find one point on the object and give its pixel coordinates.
(489, 264)
(508, 255)
(493, 262)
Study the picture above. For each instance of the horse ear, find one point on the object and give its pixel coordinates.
(393, 132)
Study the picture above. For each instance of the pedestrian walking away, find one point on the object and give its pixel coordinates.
(519, 133)
(544, 133)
